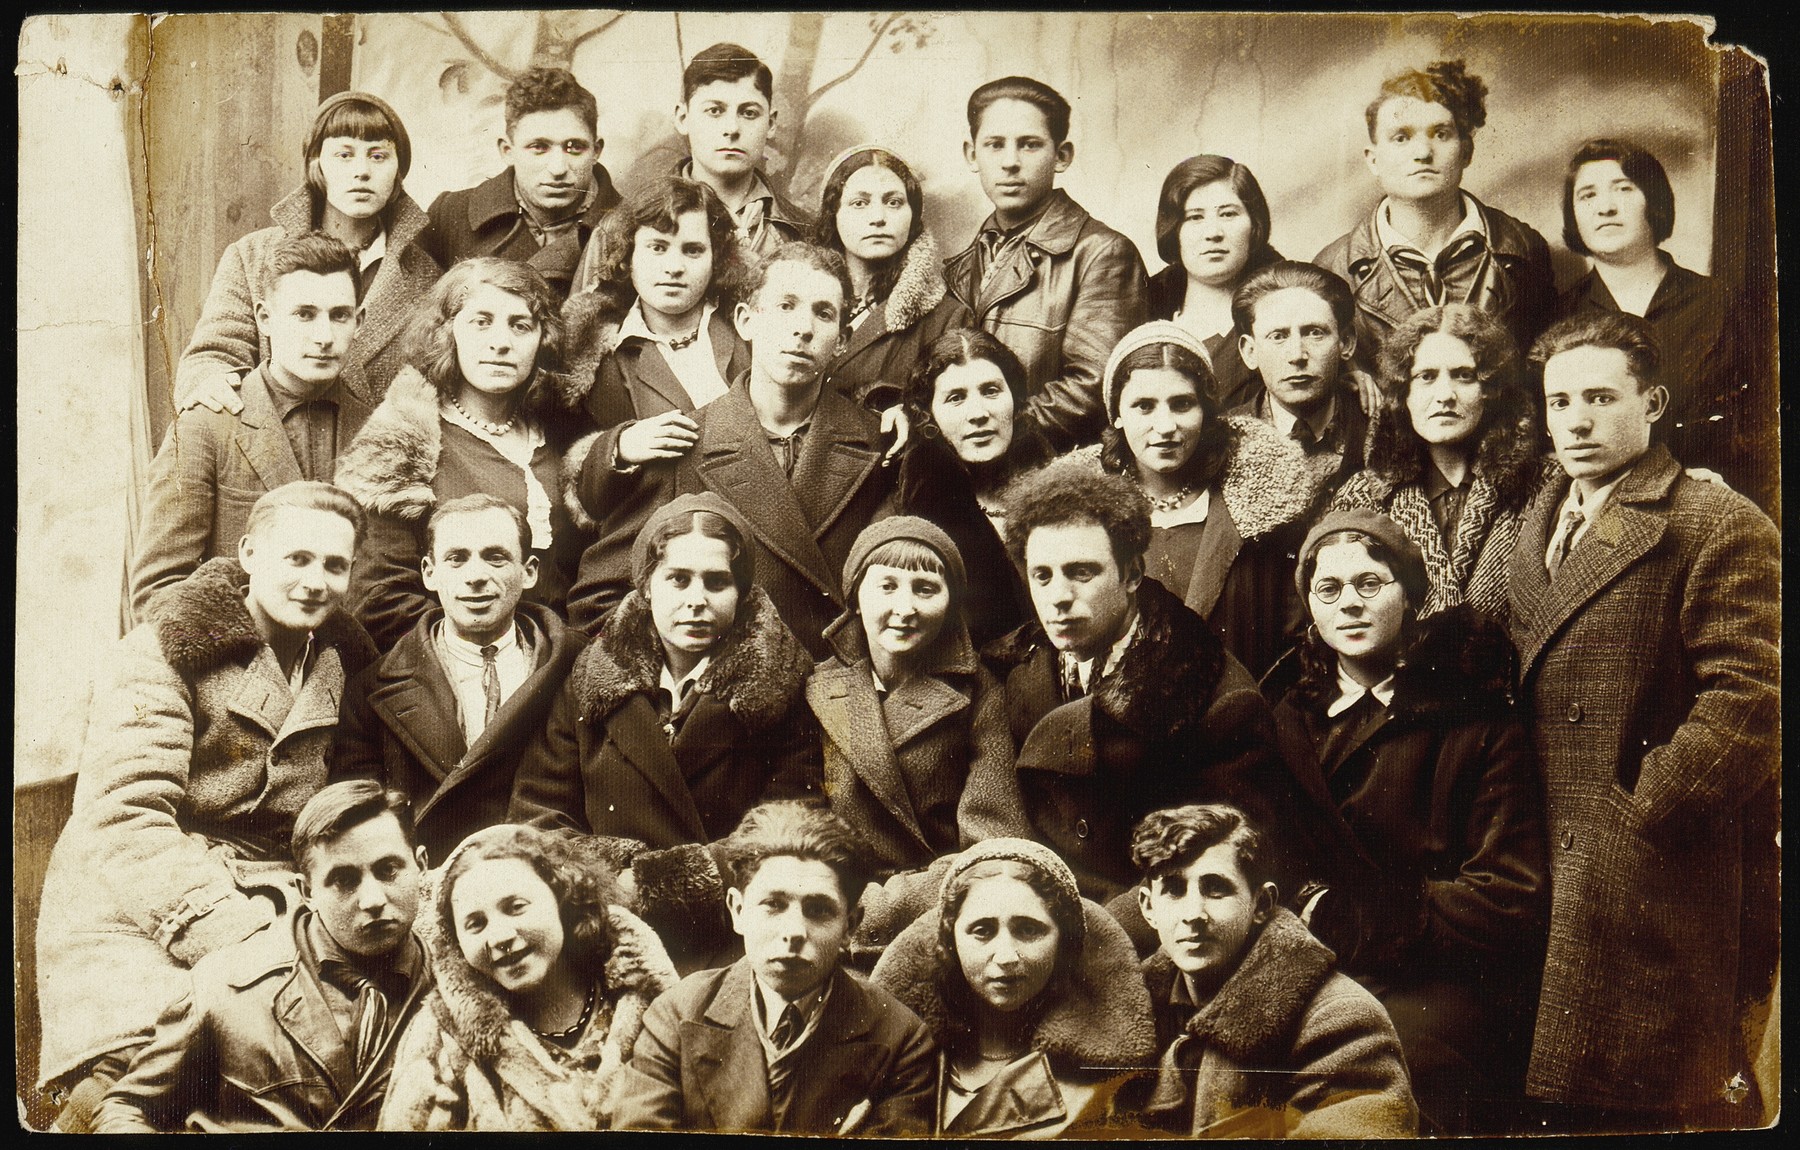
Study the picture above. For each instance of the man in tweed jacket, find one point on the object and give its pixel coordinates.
(1646, 610)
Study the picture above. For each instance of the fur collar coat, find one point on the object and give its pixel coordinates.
(875, 359)
(467, 1062)
(1286, 1048)
(1101, 1023)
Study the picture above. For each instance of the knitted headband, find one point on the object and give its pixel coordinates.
(1024, 851)
(896, 527)
(1156, 331)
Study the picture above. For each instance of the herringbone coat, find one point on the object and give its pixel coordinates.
(1653, 668)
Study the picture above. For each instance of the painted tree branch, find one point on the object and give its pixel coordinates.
(595, 31)
(481, 54)
(874, 42)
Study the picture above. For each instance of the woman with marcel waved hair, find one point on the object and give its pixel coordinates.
(1033, 993)
(1618, 210)
(872, 212)
(542, 983)
(480, 406)
(1212, 229)
(357, 153)
(1455, 458)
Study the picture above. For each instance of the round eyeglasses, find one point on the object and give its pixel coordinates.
(1368, 586)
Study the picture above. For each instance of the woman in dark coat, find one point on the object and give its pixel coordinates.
(1212, 230)
(1229, 495)
(1033, 994)
(357, 153)
(1618, 209)
(621, 756)
(908, 712)
(481, 406)
(872, 212)
(1455, 457)
(1440, 896)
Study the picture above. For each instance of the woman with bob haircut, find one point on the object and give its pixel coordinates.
(872, 212)
(1455, 458)
(1033, 993)
(1212, 230)
(1618, 209)
(649, 331)
(357, 154)
(1425, 775)
(1228, 493)
(480, 406)
(964, 402)
(542, 983)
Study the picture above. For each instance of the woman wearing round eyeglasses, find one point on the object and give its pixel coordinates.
(1429, 779)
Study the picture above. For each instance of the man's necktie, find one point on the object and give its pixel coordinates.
(490, 683)
(1071, 680)
(1572, 521)
(1302, 434)
(371, 1019)
(787, 1028)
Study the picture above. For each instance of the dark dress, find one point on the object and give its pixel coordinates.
(1234, 384)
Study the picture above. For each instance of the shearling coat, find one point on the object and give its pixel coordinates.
(1472, 568)
(603, 763)
(874, 361)
(1516, 284)
(867, 1068)
(198, 758)
(1652, 666)
(1178, 721)
(467, 1062)
(1287, 1048)
(1060, 300)
(802, 527)
(209, 473)
(900, 784)
(406, 461)
(1082, 1048)
(400, 725)
(227, 339)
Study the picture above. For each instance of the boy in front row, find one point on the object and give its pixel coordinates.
(1051, 282)
(784, 1040)
(1261, 1037)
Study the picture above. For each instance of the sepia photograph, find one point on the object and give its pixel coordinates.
(959, 574)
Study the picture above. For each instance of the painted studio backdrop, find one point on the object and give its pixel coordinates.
(189, 127)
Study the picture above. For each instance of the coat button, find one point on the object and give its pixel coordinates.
(1081, 828)
(1568, 840)
(1574, 712)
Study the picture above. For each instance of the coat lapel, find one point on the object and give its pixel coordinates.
(1219, 547)
(849, 711)
(920, 702)
(644, 367)
(726, 1056)
(321, 696)
(871, 330)
(301, 1011)
(414, 698)
(262, 440)
(836, 458)
(646, 746)
(835, 1057)
(733, 458)
(1022, 1096)
(263, 697)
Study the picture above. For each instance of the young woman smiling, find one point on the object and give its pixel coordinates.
(542, 984)
(478, 408)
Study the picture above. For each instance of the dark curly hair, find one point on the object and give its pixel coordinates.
(1198, 172)
(954, 990)
(958, 347)
(583, 889)
(1446, 82)
(550, 90)
(432, 345)
(810, 255)
(1072, 490)
(1641, 168)
(792, 828)
(1630, 335)
(1166, 839)
(1204, 468)
(1507, 449)
(659, 205)
(825, 231)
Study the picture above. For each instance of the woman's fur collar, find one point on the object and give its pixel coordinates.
(1270, 481)
(1103, 1019)
(758, 671)
(393, 461)
(1459, 666)
(202, 623)
(468, 1004)
(1255, 1017)
(590, 333)
(920, 286)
